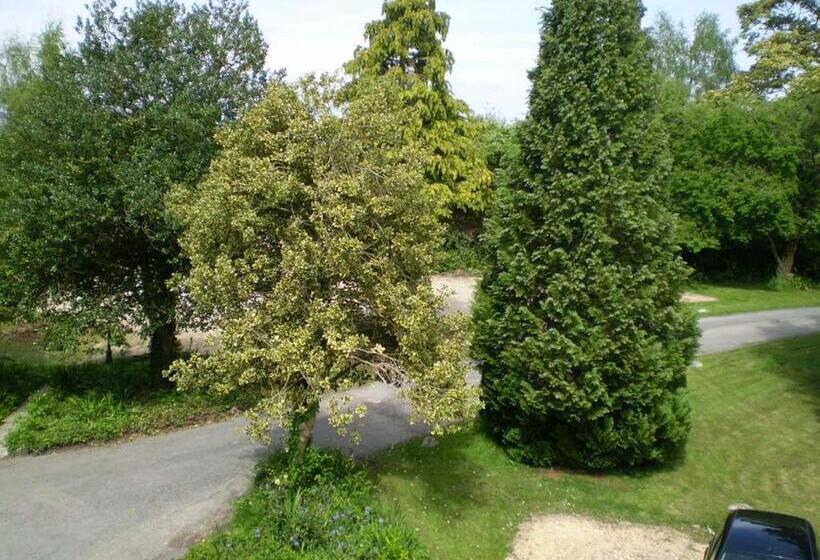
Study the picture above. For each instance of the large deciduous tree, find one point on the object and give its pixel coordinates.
(407, 44)
(581, 336)
(311, 245)
(745, 171)
(688, 68)
(93, 140)
(784, 38)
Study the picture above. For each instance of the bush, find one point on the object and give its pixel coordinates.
(321, 509)
(459, 251)
(581, 335)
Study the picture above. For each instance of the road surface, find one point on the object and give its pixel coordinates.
(152, 498)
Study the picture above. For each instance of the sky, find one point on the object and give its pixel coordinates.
(494, 42)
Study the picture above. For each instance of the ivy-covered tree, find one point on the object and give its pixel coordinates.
(311, 244)
(784, 38)
(407, 44)
(581, 336)
(91, 142)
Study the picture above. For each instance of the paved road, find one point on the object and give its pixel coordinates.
(152, 498)
(721, 334)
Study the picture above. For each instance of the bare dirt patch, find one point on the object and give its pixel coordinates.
(689, 297)
(556, 537)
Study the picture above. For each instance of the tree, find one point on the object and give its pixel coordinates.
(686, 68)
(311, 245)
(407, 44)
(582, 340)
(93, 141)
(784, 38)
(745, 171)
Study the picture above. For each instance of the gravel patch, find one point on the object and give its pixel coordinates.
(689, 297)
(557, 537)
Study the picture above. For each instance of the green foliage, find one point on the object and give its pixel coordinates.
(459, 252)
(406, 44)
(688, 68)
(582, 338)
(322, 509)
(735, 172)
(745, 172)
(311, 246)
(94, 137)
(99, 402)
(784, 38)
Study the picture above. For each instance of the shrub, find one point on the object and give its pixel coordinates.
(320, 509)
(582, 338)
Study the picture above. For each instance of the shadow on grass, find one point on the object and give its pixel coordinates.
(797, 361)
(444, 477)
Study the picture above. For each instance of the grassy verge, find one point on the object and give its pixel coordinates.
(743, 298)
(321, 510)
(87, 403)
(754, 440)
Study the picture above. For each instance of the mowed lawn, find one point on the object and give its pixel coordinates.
(756, 420)
(745, 298)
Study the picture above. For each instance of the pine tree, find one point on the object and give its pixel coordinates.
(582, 338)
(407, 43)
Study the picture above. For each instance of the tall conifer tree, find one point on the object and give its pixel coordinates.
(583, 340)
(407, 43)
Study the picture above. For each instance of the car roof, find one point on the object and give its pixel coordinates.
(768, 534)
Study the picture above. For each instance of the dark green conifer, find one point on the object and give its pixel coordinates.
(583, 340)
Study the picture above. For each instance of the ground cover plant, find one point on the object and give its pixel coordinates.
(753, 440)
(321, 509)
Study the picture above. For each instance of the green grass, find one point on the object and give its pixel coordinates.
(87, 402)
(743, 298)
(756, 416)
(94, 402)
(321, 510)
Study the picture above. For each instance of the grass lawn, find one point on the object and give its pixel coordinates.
(742, 298)
(88, 402)
(756, 416)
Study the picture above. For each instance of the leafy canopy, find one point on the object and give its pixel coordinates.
(311, 246)
(784, 38)
(407, 45)
(688, 68)
(91, 142)
(581, 336)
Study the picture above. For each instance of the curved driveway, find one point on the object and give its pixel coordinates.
(154, 497)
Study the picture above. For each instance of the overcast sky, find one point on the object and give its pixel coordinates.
(494, 42)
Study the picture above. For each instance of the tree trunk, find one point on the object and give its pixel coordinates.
(785, 260)
(301, 435)
(160, 304)
(163, 346)
(109, 355)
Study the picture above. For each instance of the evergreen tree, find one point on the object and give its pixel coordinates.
(407, 43)
(581, 335)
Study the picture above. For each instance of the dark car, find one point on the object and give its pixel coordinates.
(762, 535)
